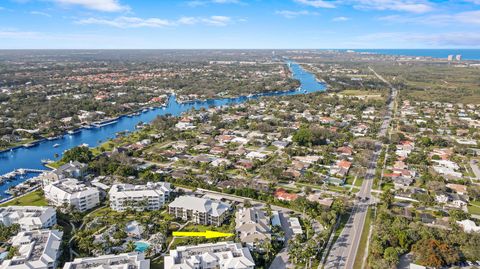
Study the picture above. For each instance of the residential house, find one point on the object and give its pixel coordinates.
(252, 226)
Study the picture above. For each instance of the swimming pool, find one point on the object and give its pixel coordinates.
(141, 246)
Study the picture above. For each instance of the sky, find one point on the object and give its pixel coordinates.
(239, 24)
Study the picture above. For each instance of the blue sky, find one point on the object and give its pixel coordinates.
(236, 24)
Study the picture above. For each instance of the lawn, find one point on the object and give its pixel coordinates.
(362, 247)
(359, 182)
(474, 208)
(34, 198)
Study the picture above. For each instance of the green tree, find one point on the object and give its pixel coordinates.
(391, 256)
(303, 137)
(80, 154)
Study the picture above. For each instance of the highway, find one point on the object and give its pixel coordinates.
(344, 250)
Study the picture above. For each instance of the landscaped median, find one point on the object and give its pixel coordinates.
(362, 247)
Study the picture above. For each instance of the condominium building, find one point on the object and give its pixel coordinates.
(72, 169)
(36, 250)
(139, 197)
(210, 256)
(72, 192)
(199, 210)
(28, 217)
(252, 226)
(132, 260)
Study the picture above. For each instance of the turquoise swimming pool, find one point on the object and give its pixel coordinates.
(141, 246)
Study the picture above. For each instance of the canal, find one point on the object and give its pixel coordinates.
(32, 157)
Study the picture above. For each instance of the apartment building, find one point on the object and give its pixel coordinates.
(72, 192)
(252, 226)
(28, 217)
(199, 210)
(151, 196)
(36, 250)
(131, 260)
(210, 256)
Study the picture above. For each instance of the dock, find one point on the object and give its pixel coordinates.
(19, 172)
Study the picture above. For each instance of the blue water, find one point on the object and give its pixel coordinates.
(141, 246)
(31, 157)
(467, 54)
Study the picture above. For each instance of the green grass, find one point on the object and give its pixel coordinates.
(387, 186)
(359, 182)
(157, 264)
(475, 210)
(362, 247)
(34, 198)
(477, 203)
(350, 180)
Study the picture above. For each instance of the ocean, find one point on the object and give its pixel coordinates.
(467, 54)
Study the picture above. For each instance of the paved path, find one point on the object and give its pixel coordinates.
(344, 251)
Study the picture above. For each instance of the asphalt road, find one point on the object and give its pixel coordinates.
(344, 251)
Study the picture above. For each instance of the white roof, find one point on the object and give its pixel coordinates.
(36, 249)
(225, 254)
(213, 208)
(26, 216)
(150, 189)
(120, 261)
(70, 189)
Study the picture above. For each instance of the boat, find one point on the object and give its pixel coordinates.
(28, 145)
(46, 161)
(72, 132)
(56, 145)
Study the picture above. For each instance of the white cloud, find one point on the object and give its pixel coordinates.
(226, 1)
(317, 3)
(196, 3)
(127, 22)
(99, 5)
(19, 34)
(341, 19)
(217, 20)
(136, 22)
(290, 14)
(434, 40)
(468, 18)
(40, 13)
(413, 6)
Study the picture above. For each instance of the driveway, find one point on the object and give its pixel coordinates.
(281, 260)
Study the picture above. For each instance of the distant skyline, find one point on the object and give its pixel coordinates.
(239, 24)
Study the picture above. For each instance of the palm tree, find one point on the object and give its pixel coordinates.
(130, 246)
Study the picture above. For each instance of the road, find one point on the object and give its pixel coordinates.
(344, 251)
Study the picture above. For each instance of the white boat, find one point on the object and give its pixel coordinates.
(46, 161)
(56, 145)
